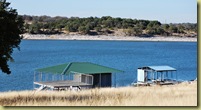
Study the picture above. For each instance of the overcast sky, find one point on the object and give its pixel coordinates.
(166, 11)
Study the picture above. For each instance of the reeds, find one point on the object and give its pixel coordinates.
(184, 94)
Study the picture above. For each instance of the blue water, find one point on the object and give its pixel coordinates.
(123, 55)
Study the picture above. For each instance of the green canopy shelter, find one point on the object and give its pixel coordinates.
(85, 72)
(78, 67)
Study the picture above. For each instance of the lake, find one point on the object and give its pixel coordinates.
(123, 55)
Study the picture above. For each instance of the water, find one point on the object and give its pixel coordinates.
(123, 55)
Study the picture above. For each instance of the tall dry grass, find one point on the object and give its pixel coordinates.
(184, 94)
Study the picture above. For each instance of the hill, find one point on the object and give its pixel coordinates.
(105, 25)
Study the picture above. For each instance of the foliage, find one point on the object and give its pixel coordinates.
(84, 29)
(104, 25)
(11, 26)
(133, 31)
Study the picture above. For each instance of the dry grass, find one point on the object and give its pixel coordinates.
(184, 94)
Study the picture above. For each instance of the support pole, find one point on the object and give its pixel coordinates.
(171, 75)
(34, 76)
(38, 75)
(100, 80)
(92, 80)
(153, 76)
(167, 76)
(161, 76)
(46, 77)
(41, 77)
(34, 80)
(157, 75)
(115, 80)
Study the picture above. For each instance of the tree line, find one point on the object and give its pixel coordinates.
(104, 26)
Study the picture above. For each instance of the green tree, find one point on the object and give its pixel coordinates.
(59, 26)
(195, 28)
(154, 27)
(26, 26)
(165, 27)
(153, 24)
(173, 29)
(11, 26)
(135, 31)
(34, 28)
(180, 28)
(84, 30)
(98, 29)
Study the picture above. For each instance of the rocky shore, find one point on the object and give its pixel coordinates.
(104, 37)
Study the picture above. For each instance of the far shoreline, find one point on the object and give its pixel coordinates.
(108, 38)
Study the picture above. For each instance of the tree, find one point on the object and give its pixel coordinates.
(135, 31)
(165, 27)
(173, 29)
(98, 28)
(11, 26)
(154, 28)
(84, 29)
(34, 28)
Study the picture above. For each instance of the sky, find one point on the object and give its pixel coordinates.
(165, 11)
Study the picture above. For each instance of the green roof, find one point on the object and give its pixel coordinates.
(78, 67)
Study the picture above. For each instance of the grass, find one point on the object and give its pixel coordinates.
(183, 94)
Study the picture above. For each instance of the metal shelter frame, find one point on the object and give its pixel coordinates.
(158, 75)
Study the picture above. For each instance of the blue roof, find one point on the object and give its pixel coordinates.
(162, 68)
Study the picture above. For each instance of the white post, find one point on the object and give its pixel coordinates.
(41, 77)
(62, 77)
(80, 78)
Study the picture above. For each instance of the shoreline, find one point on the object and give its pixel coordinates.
(107, 38)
